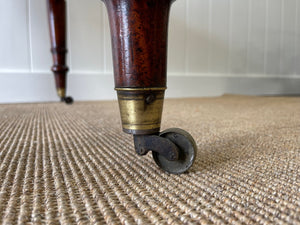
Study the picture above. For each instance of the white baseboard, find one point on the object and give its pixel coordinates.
(216, 85)
(39, 87)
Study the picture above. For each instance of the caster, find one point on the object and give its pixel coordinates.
(68, 100)
(174, 150)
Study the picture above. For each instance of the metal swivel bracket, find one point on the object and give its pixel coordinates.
(145, 143)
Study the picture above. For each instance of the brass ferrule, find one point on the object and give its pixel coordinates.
(61, 92)
(141, 109)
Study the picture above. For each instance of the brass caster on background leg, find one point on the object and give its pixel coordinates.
(68, 100)
(174, 150)
(61, 92)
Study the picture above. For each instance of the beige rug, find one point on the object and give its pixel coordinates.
(72, 164)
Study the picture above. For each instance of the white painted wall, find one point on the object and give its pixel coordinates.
(215, 47)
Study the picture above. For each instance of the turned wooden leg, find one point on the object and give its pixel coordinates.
(139, 31)
(57, 27)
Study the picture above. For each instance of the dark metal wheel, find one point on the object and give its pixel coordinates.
(187, 151)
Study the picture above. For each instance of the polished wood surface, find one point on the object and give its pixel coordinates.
(57, 25)
(139, 30)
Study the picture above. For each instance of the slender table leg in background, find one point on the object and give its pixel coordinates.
(57, 27)
(139, 30)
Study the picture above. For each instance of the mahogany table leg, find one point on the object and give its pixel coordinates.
(57, 27)
(139, 30)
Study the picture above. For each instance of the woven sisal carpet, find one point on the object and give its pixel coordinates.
(72, 164)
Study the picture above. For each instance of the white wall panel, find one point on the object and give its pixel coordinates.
(218, 42)
(238, 36)
(108, 64)
(40, 38)
(288, 39)
(197, 41)
(14, 38)
(177, 38)
(86, 35)
(273, 37)
(219, 36)
(256, 37)
(297, 42)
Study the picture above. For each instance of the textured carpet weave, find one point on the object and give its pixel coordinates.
(64, 164)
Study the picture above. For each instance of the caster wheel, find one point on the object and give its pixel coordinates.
(68, 100)
(187, 151)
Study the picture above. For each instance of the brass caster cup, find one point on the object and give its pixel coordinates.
(141, 109)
